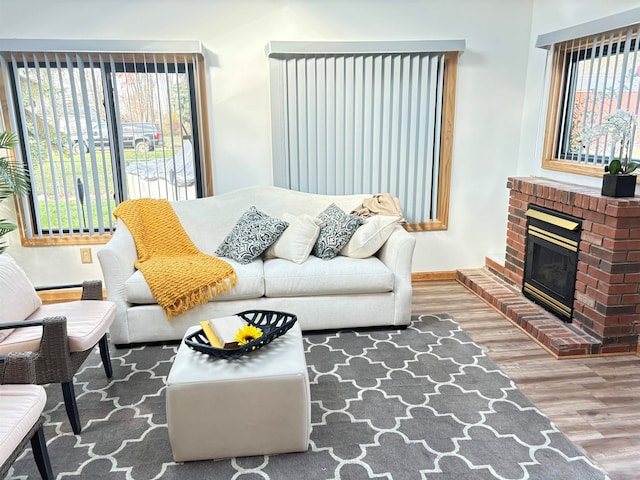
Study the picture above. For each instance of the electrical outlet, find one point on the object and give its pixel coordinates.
(85, 255)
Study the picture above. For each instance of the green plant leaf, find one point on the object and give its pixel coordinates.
(14, 179)
(615, 167)
(8, 140)
(631, 167)
(6, 227)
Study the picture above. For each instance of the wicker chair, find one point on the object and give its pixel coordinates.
(63, 335)
(22, 407)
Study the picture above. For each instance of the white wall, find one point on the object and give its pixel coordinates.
(491, 86)
(548, 16)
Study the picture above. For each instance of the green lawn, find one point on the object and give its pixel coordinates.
(51, 222)
(66, 185)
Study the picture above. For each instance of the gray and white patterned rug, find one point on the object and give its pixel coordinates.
(420, 403)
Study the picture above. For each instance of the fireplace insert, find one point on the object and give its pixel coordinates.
(551, 260)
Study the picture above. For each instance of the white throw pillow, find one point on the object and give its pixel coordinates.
(370, 236)
(18, 298)
(297, 240)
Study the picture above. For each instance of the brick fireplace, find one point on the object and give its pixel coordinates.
(606, 316)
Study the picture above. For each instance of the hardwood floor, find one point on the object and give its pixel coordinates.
(594, 401)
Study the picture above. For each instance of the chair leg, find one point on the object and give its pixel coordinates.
(41, 454)
(106, 357)
(71, 406)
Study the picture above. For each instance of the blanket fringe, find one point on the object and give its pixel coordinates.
(200, 296)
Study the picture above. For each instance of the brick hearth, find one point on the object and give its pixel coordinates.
(606, 315)
(559, 338)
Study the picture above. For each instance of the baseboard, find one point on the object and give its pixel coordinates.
(433, 276)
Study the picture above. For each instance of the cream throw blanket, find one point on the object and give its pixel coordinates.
(179, 275)
(380, 204)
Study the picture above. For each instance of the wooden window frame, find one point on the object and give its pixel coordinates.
(93, 238)
(559, 62)
(438, 218)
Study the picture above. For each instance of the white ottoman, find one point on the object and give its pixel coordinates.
(256, 405)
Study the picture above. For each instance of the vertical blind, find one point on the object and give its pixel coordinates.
(99, 128)
(347, 123)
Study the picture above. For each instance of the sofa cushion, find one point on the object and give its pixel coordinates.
(337, 230)
(18, 298)
(250, 285)
(370, 237)
(297, 240)
(340, 276)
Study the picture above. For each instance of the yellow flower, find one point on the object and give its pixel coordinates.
(246, 334)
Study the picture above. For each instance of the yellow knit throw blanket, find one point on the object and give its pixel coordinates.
(179, 275)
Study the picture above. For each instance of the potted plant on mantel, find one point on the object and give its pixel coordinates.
(13, 180)
(619, 127)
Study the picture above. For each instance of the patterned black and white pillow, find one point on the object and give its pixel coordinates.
(252, 234)
(338, 229)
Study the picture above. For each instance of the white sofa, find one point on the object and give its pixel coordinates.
(343, 292)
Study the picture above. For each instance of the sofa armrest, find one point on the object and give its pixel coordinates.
(397, 254)
(117, 259)
(397, 251)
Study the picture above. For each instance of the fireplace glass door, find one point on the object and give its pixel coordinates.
(551, 260)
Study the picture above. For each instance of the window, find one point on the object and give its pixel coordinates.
(366, 117)
(590, 77)
(99, 128)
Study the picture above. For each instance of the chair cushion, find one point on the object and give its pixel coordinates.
(21, 409)
(314, 277)
(87, 322)
(17, 296)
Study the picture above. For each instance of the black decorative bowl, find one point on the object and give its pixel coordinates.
(272, 323)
